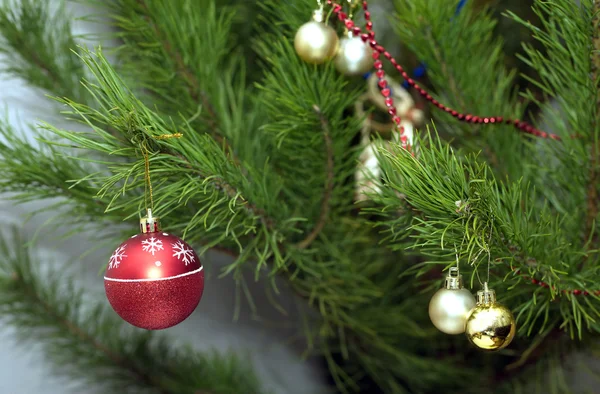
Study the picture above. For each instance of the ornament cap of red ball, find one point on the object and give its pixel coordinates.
(154, 280)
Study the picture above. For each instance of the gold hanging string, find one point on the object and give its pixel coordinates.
(352, 4)
(148, 191)
(148, 182)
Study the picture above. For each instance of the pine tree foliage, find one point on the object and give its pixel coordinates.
(262, 166)
(92, 347)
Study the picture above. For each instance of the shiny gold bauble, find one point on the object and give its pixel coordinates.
(490, 325)
(449, 306)
(316, 42)
(354, 56)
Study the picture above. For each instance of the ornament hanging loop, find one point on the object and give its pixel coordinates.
(149, 224)
(486, 296)
(453, 279)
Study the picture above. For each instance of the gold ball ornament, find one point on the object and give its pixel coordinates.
(490, 325)
(316, 42)
(450, 306)
(354, 56)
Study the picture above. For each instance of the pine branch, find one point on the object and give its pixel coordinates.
(38, 44)
(329, 183)
(183, 70)
(592, 195)
(93, 347)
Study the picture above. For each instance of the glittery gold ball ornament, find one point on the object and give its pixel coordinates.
(354, 56)
(316, 42)
(449, 306)
(490, 325)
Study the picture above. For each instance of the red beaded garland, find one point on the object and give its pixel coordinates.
(379, 49)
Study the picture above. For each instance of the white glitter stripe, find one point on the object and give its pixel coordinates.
(152, 280)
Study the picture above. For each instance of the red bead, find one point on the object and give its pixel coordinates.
(387, 55)
(154, 280)
(337, 8)
(372, 35)
(396, 119)
(349, 24)
(342, 15)
(392, 111)
(576, 292)
(380, 73)
(499, 119)
(382, 83)
(378, 64)
(372, 43)
(356, 30)
(375, 55)
(468, 118)
(534, 281)
(461, 116)
(379, 49)
(369, 25)
(386, 92)
(454, 113)
(364, 37)
(389, 102)
(367, 13)
(434, 101)
(403, 138)
(486, 120)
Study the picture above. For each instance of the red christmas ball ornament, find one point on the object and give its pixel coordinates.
(154, 280)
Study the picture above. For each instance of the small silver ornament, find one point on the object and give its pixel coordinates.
(450, 306)
(354, 56)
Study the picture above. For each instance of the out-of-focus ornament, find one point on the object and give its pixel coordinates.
(490, 325)
(354, 56)
(315, 41)
(368, 172)
(154, 280)
(450, 305)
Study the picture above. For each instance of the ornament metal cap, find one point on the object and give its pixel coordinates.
(486, 296)
(318, 15)
(454, 279)
(149, 224)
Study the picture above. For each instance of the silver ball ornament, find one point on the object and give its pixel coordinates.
(354, 57)
(315, 42)
(450, 306)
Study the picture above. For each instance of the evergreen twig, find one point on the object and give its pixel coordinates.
(329, 182)
(592, 195)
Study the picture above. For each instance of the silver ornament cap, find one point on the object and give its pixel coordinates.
(450, 306)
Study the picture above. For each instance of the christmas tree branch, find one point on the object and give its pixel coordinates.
(93, 347)
(37, 43)
(592, 195)
(329, 169)
(479, 80)
(183, 69)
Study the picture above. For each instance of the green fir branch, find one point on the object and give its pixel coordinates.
(566, 73)
(91, 346)
(36, 38)
(466, 67)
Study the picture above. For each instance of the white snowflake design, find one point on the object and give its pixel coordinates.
(183, 253)
(117, 257)
(152, 245)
